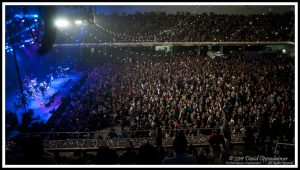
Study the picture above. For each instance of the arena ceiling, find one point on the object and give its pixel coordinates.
(220, 9)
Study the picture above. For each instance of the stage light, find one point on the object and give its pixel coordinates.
(78, 22)
(33, 30)
(35, 16)
(23, 20)
(11, 49)
(283, 51)
(61, 23)
(35, 20)
(22, 45)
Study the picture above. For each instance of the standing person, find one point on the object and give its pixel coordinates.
(159, 137)
(50, 79)
(261, 129)
(217, 144)
(43, 88)
(180, 157)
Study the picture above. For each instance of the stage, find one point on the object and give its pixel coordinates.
(42, 105)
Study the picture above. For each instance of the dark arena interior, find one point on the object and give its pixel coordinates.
(160, 84)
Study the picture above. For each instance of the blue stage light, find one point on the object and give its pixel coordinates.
(35, 16)
(22, 45)
(7, 51)
(35, 20)
(23, 20)
(11, 50)
(9, 21)
(18, 16)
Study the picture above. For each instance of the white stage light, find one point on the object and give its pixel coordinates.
(78, 22)
(283, 51)
(61, 23)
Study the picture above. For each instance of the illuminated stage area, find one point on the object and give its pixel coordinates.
(43, 105)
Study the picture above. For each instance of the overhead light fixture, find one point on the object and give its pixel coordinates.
(61, 23)
(78, 22)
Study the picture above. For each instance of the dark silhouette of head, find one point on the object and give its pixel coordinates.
(32, 145)
(106, 155)
(32, 150)
(180, 143)
(148, 154)
(78, 152)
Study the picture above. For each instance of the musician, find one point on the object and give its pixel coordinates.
(50, 79)
(43, 88)
(59, 72)
(62, 74)
(26, 80)
(32, 91)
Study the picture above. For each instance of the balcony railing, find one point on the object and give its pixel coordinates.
(121, 139)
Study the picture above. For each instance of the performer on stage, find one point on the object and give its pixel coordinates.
(50, 78)
(59, 72)
(32, 91)
(26, 80)
(43, 88)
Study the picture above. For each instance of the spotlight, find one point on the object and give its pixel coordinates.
(35, 16)
(283, 51)
(61, 23)
(78, 22)
(35, 20)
